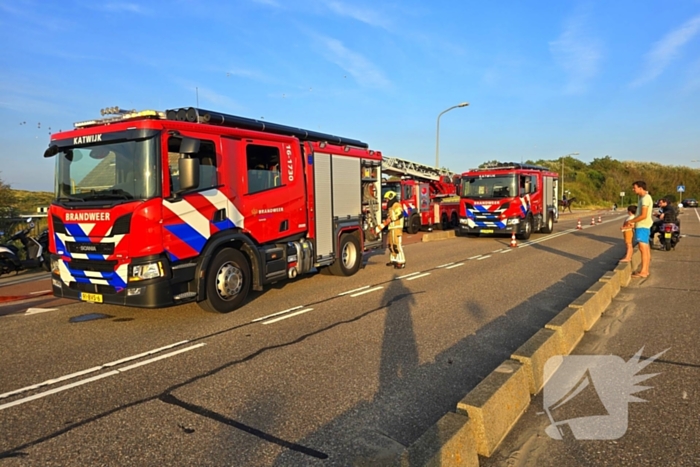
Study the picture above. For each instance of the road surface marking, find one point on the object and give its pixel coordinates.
(419, 276)
(89, 370)
(496, 251)
(367, 291)
(94, 378)
(407, 275)
(41, 291)
(276, 314)
(353, 291)
(455, 266)
(474, 257)
(483, 257)
(506, 251)
(305, 310)
(445, 265)
(696, 213)
(34, 311)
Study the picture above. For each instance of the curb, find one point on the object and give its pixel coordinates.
(440, 235)
(17, 298)
(486, 415)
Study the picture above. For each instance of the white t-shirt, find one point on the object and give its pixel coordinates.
(648, 221)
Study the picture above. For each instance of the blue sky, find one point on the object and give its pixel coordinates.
(543, 79)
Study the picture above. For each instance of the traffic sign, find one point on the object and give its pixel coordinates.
(680, 189)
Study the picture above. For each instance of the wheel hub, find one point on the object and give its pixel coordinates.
(349, 255)
(229, 281)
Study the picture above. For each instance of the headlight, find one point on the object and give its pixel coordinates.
(141, 272)
(55, 267)
(463, 221)
(513, 221)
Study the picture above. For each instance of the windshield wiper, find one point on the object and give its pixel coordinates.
(69, 198)
(112, 194)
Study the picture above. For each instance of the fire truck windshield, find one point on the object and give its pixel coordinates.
(489, 186)
(114, 173)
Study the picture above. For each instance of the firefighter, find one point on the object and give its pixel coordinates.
(395, 222)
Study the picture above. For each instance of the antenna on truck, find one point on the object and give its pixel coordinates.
(195, 115)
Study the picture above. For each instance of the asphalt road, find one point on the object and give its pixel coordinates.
(657, 315)
(354, 369)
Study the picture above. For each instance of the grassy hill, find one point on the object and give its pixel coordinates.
(26, 202)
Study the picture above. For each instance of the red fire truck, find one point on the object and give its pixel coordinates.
(155, 209)
(428, 195)
(508, 197)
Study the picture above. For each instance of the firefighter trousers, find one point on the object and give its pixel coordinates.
(395, 247)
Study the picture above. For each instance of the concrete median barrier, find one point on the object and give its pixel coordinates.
(439, 235)
(569, 324)
(448, 443)
(495, 405)
(534, 353)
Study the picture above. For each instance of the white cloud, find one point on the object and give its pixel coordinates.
(364, 71)
(666, 50)
(208, 97)
(122, 7)
(272, 3)
(577, 52)
(364, 15)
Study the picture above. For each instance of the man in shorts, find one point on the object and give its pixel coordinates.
(642, 223)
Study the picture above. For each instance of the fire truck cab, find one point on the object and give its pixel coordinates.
(154, 209)
(506, 198)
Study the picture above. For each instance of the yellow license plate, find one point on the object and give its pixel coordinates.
(91, 297)
(667, 235)
(486, 231)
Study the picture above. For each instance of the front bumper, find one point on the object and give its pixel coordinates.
(470, 226)
(156, 295)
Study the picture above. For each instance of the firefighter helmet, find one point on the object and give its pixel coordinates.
(389, 195)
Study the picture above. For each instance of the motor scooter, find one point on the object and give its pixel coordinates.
(669, 236)
(35, 252)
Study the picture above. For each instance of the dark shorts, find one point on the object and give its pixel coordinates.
(641, 234)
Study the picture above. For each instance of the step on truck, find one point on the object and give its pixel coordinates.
(428, 195)
(506, 198)
(154, 209)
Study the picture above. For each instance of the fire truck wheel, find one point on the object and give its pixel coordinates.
(414, 224)
(455, 220)
(228, 281)
(549, 227)
(526, 228)
(350, 257)
(444, 222)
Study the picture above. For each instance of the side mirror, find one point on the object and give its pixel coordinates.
(189, 173)
(189, 146)
(51, 151)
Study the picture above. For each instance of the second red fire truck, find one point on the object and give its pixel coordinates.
(428, 195)
(508, 197)
(155, 209)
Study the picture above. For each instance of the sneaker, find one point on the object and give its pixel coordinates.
(390, 263)
(400, 266)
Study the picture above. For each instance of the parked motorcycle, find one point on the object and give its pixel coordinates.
(35, 254)
(669, 235)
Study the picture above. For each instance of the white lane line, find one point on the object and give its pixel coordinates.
(496, 251)
(367, 291)
(353, 291)
(445, 265)
(40, 291)
(407, 275)
(474, 257)
(276, 314)
(34, 311)
(483, 257)
(696, 213)
(290, 315)
(455, 266)
(89, 370)
(506, 251)
(419, 276)
(94, 378)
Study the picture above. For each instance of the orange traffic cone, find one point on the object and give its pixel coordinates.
(513, 243)
(578, 225)
(600, 219)
(592, 220)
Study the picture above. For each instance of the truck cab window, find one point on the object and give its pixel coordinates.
(407, 192)
(263, 165)
(207, 164)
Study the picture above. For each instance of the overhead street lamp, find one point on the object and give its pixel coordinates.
(437, 139)
(562, 171)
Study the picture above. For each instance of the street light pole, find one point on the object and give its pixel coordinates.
(437, 138)
(562, 171)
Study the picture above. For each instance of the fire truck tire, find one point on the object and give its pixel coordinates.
(526, 230)
(228, 281)
(414, 224)
(444, 222)
(350, 258)
(549, 226)
(454, 220)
